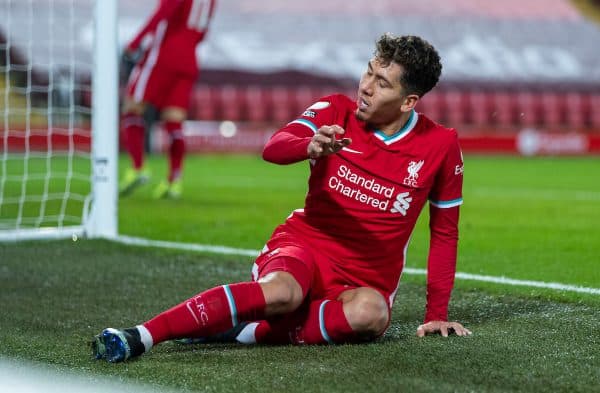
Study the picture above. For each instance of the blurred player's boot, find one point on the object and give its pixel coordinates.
(230, 336)
(132, 180)
(117, 345)
(166, 190)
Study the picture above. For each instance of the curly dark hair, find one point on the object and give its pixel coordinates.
(419, 59)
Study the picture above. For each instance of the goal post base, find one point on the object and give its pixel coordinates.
(73, 232)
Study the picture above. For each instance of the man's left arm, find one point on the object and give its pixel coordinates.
(445, 201)
(441, 268)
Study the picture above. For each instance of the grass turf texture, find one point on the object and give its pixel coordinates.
(523, 218)
(56, 295)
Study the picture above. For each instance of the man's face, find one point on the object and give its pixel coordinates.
(381, 97)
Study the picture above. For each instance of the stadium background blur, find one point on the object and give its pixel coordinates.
(519, 77)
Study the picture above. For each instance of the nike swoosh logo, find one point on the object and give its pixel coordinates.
(191, 310)
(351, 151)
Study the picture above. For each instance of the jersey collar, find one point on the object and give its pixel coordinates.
(404, 131)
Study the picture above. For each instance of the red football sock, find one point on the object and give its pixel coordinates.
(176, 150)
(322, 322)
(208, 313)
(133, 128)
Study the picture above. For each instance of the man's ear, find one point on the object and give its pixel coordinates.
(410, 102)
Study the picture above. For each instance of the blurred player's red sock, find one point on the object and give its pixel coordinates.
(210, 312)
(176, 150)
(323, 322)
(133, 127)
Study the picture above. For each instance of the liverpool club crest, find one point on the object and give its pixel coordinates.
(413, 173)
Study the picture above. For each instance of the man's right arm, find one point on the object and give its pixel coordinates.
(312, 135)
(164, 10)
(290, 146)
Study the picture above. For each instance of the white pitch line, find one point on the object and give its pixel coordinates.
(511, 281)
(538, 194)
(137, 241)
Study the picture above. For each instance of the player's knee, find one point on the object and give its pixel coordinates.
(282, 293)
(367, 314)
(283, 299)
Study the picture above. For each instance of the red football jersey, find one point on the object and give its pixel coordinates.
(363, 202)
(173, 31)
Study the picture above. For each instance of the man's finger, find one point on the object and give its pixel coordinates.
(322, 139)
(461, 330)
(338, 145)
(345, 142)
(444, 330)
(326, 130)
(331, 130)
(426, 329)
(337, 129)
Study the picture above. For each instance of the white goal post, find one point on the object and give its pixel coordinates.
(58, 119)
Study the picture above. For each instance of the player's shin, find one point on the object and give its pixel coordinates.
(208, 313)
(321, 322)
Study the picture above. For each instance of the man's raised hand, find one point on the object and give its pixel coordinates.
(324, 142)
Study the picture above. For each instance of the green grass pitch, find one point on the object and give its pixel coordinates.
(529, 219)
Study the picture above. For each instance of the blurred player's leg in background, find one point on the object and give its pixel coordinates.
(175, 102)
(133, 129)
(151, 117)
(173, 118)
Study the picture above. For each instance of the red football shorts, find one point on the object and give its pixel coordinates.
(327, 281)
(159, 86)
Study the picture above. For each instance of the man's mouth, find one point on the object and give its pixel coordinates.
(362, 104)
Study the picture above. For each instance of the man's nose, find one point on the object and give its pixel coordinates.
(366, 87)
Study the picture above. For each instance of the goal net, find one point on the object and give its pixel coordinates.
(58, 118)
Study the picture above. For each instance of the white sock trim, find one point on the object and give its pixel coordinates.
(146, 337)
(247, 335)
